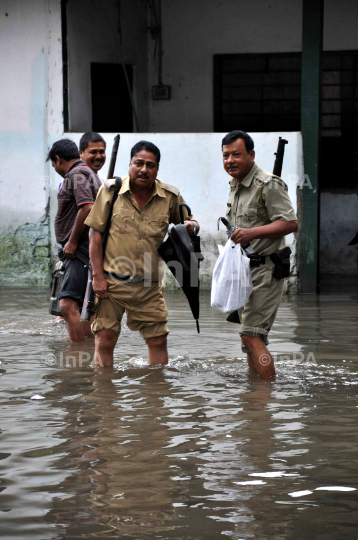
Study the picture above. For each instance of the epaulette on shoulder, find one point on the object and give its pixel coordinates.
(267, 177)
(171, 189)
(110, 185)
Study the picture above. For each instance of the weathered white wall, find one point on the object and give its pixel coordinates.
(30, 106)
(90, 40)
(193, 163)
(339, 225)
(229, 27)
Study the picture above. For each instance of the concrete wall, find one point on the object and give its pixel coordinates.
(29, 109)
(229, 27)
(90, 40)
(193, 163)
(339, 225)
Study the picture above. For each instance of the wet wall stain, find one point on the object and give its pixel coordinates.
(25, 254)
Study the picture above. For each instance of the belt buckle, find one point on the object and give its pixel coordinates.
(133, 279)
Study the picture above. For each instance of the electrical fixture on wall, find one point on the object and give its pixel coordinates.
(160, 91)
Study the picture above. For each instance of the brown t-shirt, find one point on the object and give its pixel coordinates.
(80, 186)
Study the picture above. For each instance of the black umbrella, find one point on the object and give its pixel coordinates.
(182, 255)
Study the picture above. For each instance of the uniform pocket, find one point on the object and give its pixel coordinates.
(157, 225)
(247, 217)
(123, 221)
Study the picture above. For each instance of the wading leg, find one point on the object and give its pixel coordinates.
(157, 350)
(69, 309)
(260, 355)
(251, 363)
(87, 326)
(105, 341)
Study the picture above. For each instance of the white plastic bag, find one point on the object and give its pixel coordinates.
(232, 284)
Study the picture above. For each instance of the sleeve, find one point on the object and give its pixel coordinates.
(81, 189)
(175, 214)
(97, 218)
(277, 201)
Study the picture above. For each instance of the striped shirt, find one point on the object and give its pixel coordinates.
(80, 186)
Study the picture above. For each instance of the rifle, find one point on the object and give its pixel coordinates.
(277, 168)
(88, 302)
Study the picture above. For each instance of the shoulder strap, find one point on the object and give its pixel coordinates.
(261, 198)
(109, 219)
(172, 208)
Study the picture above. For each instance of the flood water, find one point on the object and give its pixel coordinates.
(198, 450)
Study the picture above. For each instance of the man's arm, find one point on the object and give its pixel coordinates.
(99, 282)
(70, 247)
(277, 229)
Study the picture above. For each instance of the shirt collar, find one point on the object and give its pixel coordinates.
(247, 180)
(157, 188)
(76, 164)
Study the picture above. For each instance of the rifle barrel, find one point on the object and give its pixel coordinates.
(277, 168)
(112, 163)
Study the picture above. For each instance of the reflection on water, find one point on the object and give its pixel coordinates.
(198, 450)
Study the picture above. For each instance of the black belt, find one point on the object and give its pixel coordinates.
(257, 261)
(122, 277)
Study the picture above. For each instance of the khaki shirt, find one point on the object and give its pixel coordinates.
(246, 210)
(135, 235)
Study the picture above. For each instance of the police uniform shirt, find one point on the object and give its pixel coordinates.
(247, 209)
(135, 235)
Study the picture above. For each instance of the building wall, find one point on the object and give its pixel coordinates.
(90, 40)
(229, 27)
(29, 34)
(339, 225)
(193, 163)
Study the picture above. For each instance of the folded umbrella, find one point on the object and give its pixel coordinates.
(182, 255)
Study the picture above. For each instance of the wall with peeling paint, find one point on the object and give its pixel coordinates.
(30, 34)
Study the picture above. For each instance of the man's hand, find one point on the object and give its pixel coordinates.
(99, 284)
(276, 229)
(69, 249)
(192, 227)
(242, 236)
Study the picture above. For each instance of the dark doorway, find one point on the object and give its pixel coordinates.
(111, 106)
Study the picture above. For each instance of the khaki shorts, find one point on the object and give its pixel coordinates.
(259, 313)
(145, 307)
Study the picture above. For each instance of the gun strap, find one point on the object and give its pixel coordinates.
(172, 207)
(109, 219)
(262, 200)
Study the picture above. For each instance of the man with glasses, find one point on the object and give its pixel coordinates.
(128, 278)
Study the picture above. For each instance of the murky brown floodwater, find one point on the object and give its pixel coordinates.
(198, 450)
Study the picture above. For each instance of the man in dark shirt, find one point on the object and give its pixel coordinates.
(75, 199)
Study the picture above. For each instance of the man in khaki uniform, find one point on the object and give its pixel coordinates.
(260, 207)
(129, 278)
